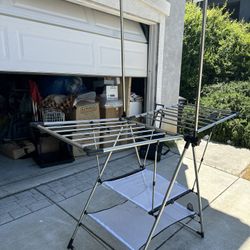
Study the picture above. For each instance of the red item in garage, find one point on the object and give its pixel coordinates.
(36, 98)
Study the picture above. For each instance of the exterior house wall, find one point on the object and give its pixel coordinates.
(173, 52)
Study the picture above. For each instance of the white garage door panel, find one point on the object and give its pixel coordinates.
(136, 55)
(135, 58)
(54, 50)
(3, 45)
(43, 48)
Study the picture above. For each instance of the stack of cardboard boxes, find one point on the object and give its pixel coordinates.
(84, 110)
(107, 106)
(110, 105)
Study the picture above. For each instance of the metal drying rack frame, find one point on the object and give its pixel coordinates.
(110, 135)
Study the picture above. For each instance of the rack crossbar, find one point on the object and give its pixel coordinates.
(79, 121)
(172, 124)
(113, 135)
(171, 201)
(216, 123)
(123, 139)
(87, 124)
(103, 131)
(202, 117)
(179, 116)
(91, 128)
(142, 143)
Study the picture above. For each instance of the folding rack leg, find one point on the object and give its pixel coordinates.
(203, 154)
(171, 184)
(136, 149)
(146, 154)
(97, 156)
(198, 192)
(84, 211)
(154, 175)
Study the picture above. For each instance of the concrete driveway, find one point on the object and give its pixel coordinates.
(43, 216)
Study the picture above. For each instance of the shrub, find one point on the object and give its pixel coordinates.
(234, 96)
(227, 49)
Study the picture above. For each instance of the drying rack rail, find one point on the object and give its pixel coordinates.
(99, 135)
(106, 135)
(151, 199)
(183, 118)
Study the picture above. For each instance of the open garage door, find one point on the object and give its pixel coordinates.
(64, 38)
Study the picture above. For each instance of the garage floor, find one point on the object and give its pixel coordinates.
(43, 216)
(22, 174)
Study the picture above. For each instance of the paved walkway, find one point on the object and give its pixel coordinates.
(43, 216)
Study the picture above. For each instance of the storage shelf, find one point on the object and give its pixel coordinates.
(131, 222)
(131, 225)
(138, 189)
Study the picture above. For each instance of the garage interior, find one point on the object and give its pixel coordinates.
(23, 151)
(51, 70)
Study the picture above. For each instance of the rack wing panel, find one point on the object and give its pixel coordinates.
(182, 118)
(105, 135)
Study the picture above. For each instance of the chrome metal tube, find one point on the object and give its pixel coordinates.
(198, 192)
(203, 155)
(146, 154)
(83, 213)
(124, 139)
(202, 46)
(216, 123)
(164, 202)
(97, 156)
(136, 148)
(112, 135)
(154, 174)
(141, 143)
(80, 125)
(89, 128)
(173, 124)
(122, 57)
(102, 131)
(79, 121)
(64, 139)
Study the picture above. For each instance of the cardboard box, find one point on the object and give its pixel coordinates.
(85, 111)
(111, 112)
(16, 150)
(107, 81)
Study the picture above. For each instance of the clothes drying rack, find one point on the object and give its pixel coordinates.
(152, 198)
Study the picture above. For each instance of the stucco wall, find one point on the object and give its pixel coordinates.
(173, 52)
